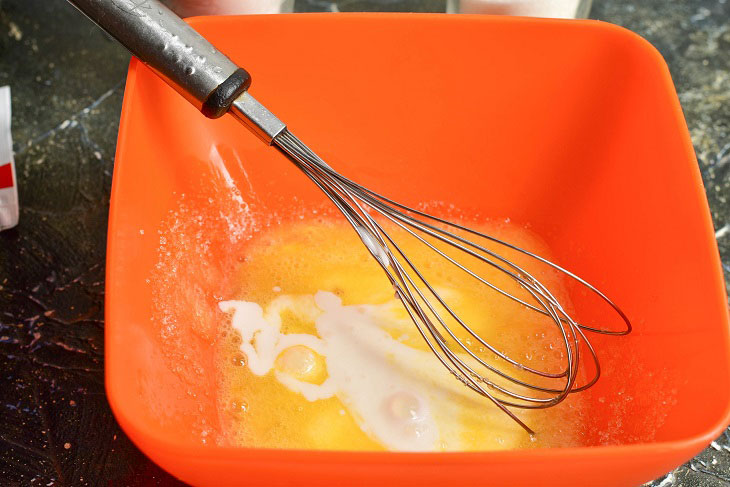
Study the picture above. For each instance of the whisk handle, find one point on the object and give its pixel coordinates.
(181, 56)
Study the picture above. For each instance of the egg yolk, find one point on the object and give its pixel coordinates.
(302, 363)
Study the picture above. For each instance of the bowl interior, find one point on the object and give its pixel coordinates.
(570, 127)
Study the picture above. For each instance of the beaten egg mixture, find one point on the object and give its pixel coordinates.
(319, 354)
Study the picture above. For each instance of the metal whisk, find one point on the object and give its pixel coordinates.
(423, 302)
(216, 85)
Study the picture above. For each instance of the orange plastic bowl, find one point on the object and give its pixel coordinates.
(572, 127)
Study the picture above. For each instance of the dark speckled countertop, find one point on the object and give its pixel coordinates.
(67, 80)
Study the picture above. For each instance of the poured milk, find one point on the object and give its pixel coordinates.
(321, 354)
(403, 397)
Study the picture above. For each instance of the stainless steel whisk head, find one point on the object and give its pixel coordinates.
(430, 311)
(216, 85)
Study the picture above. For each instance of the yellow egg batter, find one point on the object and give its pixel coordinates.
(301, 277)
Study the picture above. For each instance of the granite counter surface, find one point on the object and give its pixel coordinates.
(67, 78)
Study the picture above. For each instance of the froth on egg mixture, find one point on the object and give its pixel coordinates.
(319, 354)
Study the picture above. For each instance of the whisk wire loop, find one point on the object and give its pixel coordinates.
(430, 311)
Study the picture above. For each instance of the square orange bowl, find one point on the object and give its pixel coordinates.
(570, 127)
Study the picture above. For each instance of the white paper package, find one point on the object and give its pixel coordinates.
(8, 181)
